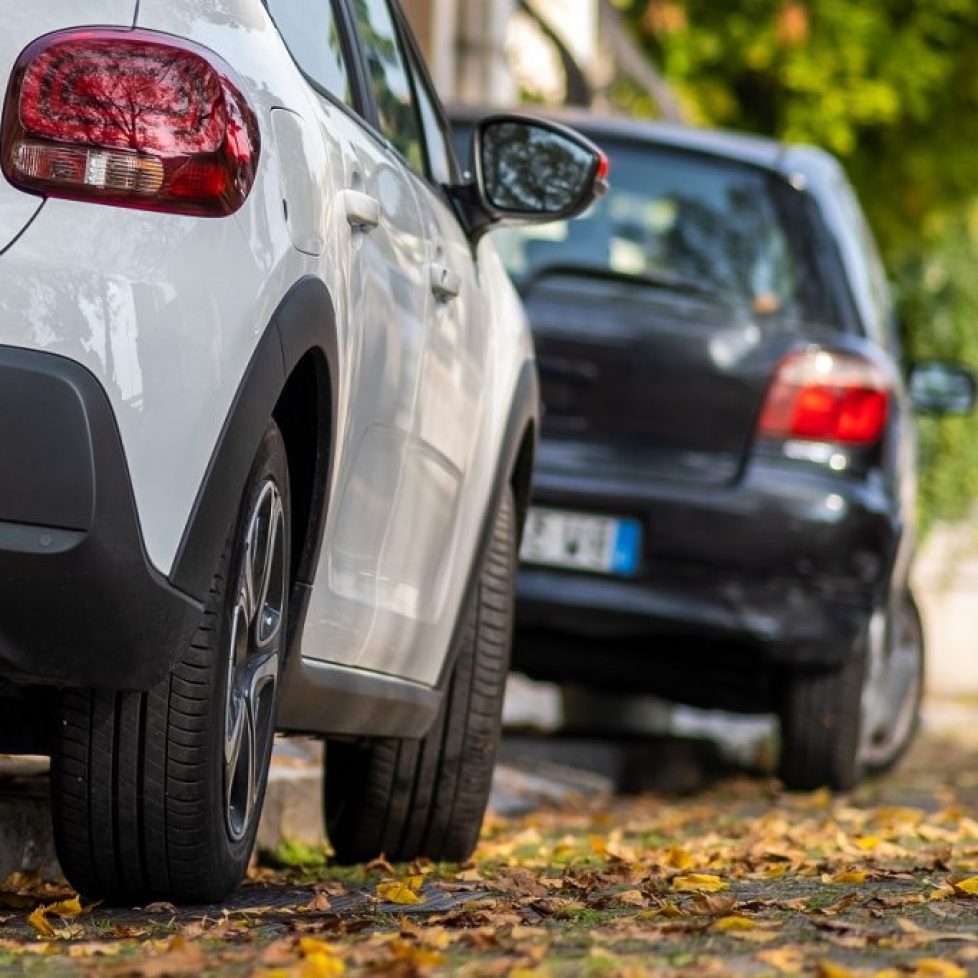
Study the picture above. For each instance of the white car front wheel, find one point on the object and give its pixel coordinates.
(157, 795)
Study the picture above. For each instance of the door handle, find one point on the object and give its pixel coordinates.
(362, 210)
(445, 284)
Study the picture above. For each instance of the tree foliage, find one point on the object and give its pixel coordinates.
(890, 87)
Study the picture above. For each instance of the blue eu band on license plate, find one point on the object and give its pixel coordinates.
(624, 556)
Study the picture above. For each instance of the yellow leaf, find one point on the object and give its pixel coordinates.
(313, 945)
(63, 908)
(829, 969)
(758, 936)
(937, 968)
(968, 886)
(680, 858)
(868, 842)
(734, 922)
(699, 883)
(399, 891)
(898, 816)
(599, 846)
(851, 876)
(322, 966)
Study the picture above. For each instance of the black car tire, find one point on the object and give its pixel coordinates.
(146, 803)
(821, 715)
(406, 799)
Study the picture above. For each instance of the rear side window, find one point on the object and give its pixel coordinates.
(312, 36)
(436, 132)
(700, 222)
(389, 79)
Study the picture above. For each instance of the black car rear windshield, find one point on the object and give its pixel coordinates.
(695, 223)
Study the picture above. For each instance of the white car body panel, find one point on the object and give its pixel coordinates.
(167, 311)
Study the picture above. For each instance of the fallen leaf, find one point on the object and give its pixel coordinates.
(924, 936)
(786, 959)
(734, 922)
(632, 898)
(403, 891)
(855, 876)
(830, 969)
(66, 909)
(161, 906)
(937, 968)
(965, 887)
(714, 904)
(699, 883)
(180, 959)
(680, 858)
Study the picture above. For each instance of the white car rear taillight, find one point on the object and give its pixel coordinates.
(129, 118)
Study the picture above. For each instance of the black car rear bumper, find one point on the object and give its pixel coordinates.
(80, 604)
(785, 567)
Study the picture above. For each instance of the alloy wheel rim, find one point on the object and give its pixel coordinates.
(253, 657)
(892, 687)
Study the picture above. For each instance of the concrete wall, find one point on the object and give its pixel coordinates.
(945, 581)
(464, 42)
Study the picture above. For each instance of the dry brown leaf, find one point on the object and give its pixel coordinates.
(632, 898)
(786, 959)
(923, 936)
(180, 959)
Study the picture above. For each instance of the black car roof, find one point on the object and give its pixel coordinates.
(769, 154)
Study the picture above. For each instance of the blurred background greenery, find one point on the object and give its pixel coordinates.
(889, 86)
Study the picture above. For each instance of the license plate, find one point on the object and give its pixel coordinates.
(581, 541)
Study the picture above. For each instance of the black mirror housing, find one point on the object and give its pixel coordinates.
(530, 171)
(938, 388)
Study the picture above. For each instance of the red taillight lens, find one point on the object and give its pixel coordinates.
(824, 395)
(129, 118)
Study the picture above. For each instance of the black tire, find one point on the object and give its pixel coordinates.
(407, 799)
(821, 714)
(140, 802)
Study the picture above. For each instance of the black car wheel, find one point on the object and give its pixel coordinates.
(411, 798)
(841, 724)
(156, 796)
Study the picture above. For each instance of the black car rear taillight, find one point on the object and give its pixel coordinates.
(129, 118)
(825, 395)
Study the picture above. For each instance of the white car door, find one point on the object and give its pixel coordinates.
(369, 594)
(448, 499)
(375, 253)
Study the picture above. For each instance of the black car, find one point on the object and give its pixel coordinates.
(724, 491)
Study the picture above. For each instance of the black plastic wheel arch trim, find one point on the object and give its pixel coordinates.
(304, 322)
(80, 602)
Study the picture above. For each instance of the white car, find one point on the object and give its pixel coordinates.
(267, 416)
